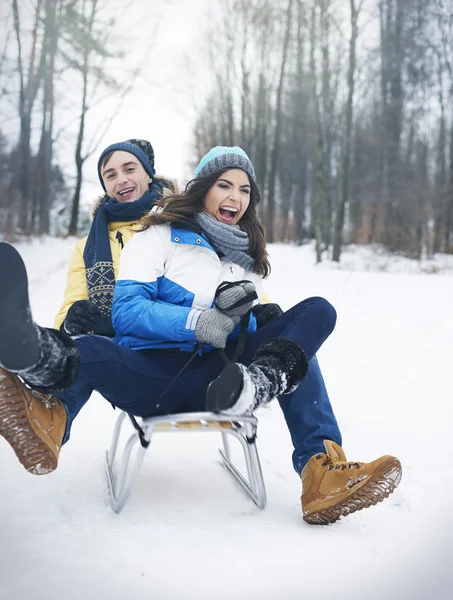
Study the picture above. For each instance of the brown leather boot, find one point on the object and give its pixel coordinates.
(33, 424)
(333, 487)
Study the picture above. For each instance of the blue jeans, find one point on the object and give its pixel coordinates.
(312, 420)
(137, 381)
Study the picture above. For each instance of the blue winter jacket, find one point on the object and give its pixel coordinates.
(168, 276)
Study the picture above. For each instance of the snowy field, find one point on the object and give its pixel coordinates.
(188, 531)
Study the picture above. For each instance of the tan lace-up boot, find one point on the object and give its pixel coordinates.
(33, 424)
(332, 487)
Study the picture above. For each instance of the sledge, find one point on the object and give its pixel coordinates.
(122, 467)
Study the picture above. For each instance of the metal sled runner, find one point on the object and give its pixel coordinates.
(122, 471)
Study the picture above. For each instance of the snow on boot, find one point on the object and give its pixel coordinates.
(278, 368)
(33, 424)
(332, 487)
(46, 359)
(58, 363)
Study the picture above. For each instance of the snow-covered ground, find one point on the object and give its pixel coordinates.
(188, 531)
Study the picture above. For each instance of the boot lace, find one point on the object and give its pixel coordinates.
(337, 465)
(47, 399)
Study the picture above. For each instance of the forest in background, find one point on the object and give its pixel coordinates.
(344, 107)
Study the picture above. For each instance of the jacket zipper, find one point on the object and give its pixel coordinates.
(119, 237)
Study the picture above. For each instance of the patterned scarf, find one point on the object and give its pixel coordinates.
(97, 255)
(231, 241)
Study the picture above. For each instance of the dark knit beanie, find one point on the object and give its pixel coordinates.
(141, 149)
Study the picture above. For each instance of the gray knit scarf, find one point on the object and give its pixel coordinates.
(231, 241)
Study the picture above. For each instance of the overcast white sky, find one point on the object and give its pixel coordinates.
(160, 106)
(162, 110)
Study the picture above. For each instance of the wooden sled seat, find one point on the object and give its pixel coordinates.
(121, 470)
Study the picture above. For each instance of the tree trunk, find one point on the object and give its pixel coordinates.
(46, 145)
(339, 220)
(326, 123)
(277, 134)
(261, 134)
(300, 131)
(448, 242)
(27, 95)
(392, 19)
(79, 158)
(245, 73)
(319, 180)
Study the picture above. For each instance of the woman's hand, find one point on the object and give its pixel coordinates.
(214, 327)
(235, 298)
(266, 313)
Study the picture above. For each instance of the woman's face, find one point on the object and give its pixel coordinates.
(124, 177)
(229, 197)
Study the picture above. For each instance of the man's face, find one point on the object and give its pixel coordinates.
(124, 177)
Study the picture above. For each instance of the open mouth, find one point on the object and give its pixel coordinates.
(127, 193)
(228, 213)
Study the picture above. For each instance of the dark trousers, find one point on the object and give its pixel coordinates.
(135, 381)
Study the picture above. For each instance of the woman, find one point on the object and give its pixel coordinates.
(168, 303)
(127, 176)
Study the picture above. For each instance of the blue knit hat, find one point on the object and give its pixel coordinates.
(222, 158)
(141, 149)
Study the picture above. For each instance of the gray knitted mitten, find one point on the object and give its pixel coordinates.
(227, 298)
(214, 327)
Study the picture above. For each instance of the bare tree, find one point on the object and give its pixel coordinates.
(339, 218)
(277, 132)
(87, 49)
(42, 196)
(4, 70)
(300, 128)
(443, 51)
(261, 107)
(92, 51)
(320, 193)
(392, 49)
(30, 73)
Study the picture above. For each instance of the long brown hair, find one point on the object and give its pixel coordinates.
(184, 207)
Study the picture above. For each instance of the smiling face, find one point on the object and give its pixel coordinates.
(229, 197)
(124, 177)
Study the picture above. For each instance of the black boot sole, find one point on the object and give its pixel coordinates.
(19, 344)
(225, 390)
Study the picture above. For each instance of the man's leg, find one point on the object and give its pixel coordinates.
(35, 422)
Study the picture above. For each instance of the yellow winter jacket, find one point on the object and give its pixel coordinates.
(76, 285)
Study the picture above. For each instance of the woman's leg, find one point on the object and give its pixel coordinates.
(309, 416)
(275, 358)
(309, 324)
(331, 486)
(307, 410)
(133, 381)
